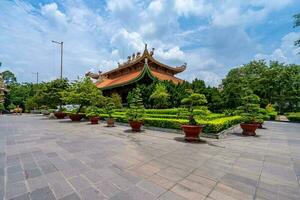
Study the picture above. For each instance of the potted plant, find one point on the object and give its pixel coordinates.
(135, 113)
(192, 129)
(109, 107)
(81, 93)
(250, 112)
(93, 113)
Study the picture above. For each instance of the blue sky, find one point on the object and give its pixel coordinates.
(211, 36)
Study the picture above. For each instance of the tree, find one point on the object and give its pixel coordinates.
(51, 94)
(160, 96)
(9, 77)
(136, 109)
(190, 102)
(117, 100)
(250, 110)
(83, 93)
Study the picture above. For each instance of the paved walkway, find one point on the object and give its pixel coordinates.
(58, 159)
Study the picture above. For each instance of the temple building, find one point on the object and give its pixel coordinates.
(138, 69)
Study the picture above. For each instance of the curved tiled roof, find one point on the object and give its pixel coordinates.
(136, 76)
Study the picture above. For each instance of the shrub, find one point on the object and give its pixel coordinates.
(1, 107)
(190, 102)
(136, 109)
(117, 100)
(294, 116)
(160, 96)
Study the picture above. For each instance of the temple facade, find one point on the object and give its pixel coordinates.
(138, 69)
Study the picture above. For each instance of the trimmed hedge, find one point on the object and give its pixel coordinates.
(211, 126)
(294, 117)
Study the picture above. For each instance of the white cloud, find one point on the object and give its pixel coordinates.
(192, 7)
(51, 11)
(287, 52)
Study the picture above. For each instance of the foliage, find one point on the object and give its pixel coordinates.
(1, 107)
(136, 106)
(51, 93)
(92, 111)
(160, 96)
(294, 116)
(83, 93)
(11, 106)
(109, 106)
(250, 110)
(30, 104)
(9, 77)
(190, 102)
(117, 100)
(276, 83)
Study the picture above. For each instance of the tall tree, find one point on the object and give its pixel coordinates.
(9, 77)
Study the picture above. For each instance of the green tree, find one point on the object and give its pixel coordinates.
(9, 77)
(136, 109)
(160, 96)
(117, 100)
(191, 102)
(83, 93)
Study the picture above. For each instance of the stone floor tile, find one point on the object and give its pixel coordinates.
(161, 181)
(171, 196)
(107, 188)
(134, 193)
(16, 177)
(14, 169)
(91, 194)
(121, 182)
(79, 183)
(224, 192)
(187, 192)
(42, 194)
(15, 189)
(38, 182)
(93, 176)
(72, 196)
(32, 173)
(21, 197)
(61, 189)
(48, 168)
(151, 187)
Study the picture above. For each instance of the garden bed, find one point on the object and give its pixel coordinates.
(214, 123)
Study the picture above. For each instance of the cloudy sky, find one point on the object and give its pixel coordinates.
(212, 36)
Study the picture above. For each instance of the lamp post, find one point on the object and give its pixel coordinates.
(61, 56)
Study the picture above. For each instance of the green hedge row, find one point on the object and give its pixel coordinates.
(294, 117)
(211, 126)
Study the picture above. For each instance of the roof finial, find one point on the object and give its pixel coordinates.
(145, 46)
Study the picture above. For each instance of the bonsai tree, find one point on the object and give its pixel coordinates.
(160, 96)
(192, 101)
(250, 110)
(92, 111)
(109, 107)
(82, 93)
(136, 107)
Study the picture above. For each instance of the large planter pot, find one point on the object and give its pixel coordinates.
(76, 117)
(94, 120)
(259, 125)
(60, 115)
(249, 129)
(192, 132)
(135, 125)
(110, 122)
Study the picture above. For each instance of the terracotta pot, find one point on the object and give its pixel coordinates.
(76, 117)
(249, 129)
(259, 125)
(94, 120)
(110, 122)
(135, 125)
(60, 115)
(192, 132)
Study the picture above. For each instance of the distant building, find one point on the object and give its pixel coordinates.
(138, 69)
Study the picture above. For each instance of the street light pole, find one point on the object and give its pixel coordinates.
(61, 56)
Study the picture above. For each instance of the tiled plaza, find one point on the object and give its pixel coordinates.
(57, 159)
